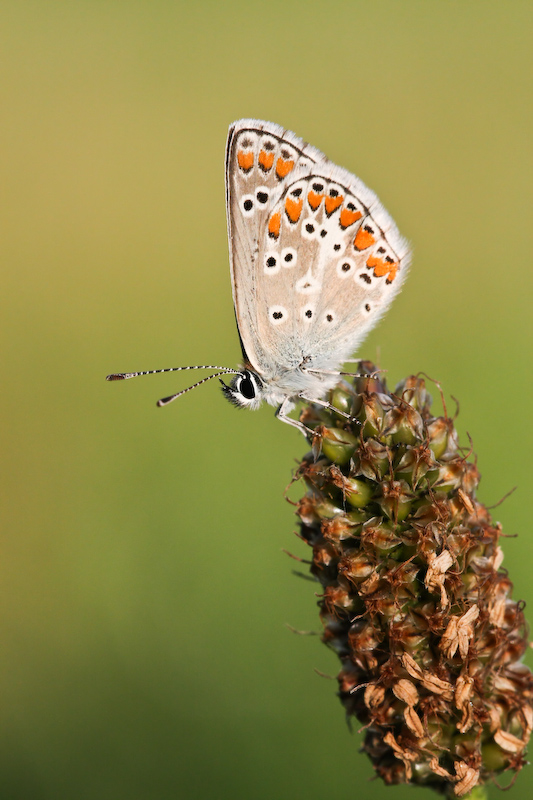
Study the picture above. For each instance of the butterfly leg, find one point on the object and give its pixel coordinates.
(347, 374)
(283, 414)
(325, 404)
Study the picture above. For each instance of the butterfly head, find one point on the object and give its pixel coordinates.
(245, 390)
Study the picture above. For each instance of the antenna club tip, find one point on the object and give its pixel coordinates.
(116, 376)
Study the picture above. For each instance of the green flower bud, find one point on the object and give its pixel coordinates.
(342, 397)
(338, 445)
(357, 492)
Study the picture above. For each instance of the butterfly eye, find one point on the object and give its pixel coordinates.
(245, 390)
(246, 387)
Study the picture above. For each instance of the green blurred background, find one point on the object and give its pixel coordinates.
(145, 597)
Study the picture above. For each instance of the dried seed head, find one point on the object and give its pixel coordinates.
(429, 637)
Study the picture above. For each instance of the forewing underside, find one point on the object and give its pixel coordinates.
(259, 157)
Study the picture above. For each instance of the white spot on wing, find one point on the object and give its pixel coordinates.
(287, 152)
(277, 315)
(345, 268)
(247, 205)
(364, 279)
(307, 313)
(268, 144)
(246, 140)
(310, 228)
(308, 284)
(272, 264)
(289, 257)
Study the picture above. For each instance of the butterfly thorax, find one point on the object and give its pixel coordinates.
(295, 382)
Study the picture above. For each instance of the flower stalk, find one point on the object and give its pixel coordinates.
(413, 600)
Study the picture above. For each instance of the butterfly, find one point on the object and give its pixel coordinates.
(315, 263)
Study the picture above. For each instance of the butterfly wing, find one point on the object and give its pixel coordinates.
(259, 157)
(315, 268)
(350, 262)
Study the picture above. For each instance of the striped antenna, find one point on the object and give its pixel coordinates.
(123, 376)
(166, 400)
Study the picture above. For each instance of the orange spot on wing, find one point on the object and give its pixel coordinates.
(363, 239)
(332, 203)
(382, 267)
(245, 160)
(393, 272)
(314, 199)
(266, 160)
(348, 217)
(293, 208)
(283, 167)
(274, 224)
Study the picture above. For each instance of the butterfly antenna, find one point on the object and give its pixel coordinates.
(166, 400)
(123, 376)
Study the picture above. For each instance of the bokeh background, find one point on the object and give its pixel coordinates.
(145, 594)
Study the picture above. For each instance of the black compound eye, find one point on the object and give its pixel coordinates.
(246, 387)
